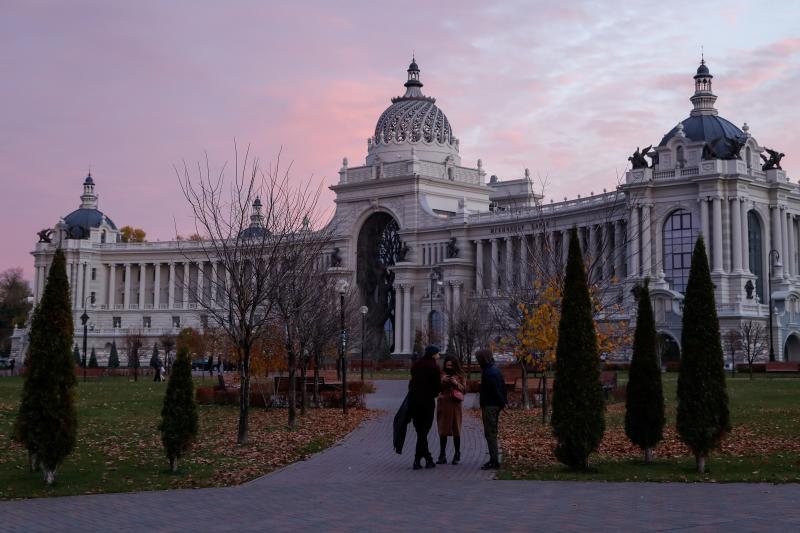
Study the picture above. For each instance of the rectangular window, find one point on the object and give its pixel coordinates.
(94, 274)
(145, 321)
(117, 321)
(176, 322)
(204, 321)
(93, 297)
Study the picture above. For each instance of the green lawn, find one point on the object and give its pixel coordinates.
(119, 447)
(764, 444)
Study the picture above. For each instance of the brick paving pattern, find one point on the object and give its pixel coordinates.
(362, 485)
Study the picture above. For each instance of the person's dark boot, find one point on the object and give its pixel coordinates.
(493, 464)
(417, 465)
(456, 458)
(429, 462)
(442, 460)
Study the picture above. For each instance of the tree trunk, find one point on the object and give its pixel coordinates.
(303, 395)
(292, 364)
(173, 464)
(701, 464)
(244, 394)
(316, 380)
(49, 475)
(750, 365)
(33, 462)
(544, 397)
(526, 404)
(648, 455)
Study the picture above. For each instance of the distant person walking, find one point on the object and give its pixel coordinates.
(449, 408)
(423, 388)
(13, 362)
(493, 400)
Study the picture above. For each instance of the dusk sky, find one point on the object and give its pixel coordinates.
(567, 89)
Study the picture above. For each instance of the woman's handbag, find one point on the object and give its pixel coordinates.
(457, 395)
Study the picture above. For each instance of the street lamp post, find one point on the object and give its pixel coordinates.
(342, 288)
(364, 310)
(85, 322)
(436, 279)
(772, 263)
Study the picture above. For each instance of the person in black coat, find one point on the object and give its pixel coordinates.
(493, 400)
(423, 389)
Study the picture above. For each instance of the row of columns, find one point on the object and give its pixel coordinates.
(604, 238)
(404, 293)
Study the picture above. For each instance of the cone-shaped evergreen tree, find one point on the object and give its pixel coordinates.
(703, 417)
(76, 355)
(644, 405)
(47, 423)
(113, 357)
(578, 407)
(179, 415)
(93, 360)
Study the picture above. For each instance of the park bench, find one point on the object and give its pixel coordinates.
(784, 366)
(608, 379)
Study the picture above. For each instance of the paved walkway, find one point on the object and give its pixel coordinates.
(362, 485)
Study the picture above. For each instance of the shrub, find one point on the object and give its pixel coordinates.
(76, 356)
(179, 415)
(578, 405)
(113, 357)
(93, 360)
(47, 421)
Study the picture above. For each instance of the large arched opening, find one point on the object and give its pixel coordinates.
(668, 349)
(791, 350)
(679, 237)
(377, 250)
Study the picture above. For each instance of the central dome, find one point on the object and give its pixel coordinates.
(413, 119)
(413, 124)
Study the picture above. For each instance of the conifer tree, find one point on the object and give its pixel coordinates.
(179, 415)
(644, 404)
(702, 417)
(113, 357)
(47, 422)
(76, 355)
(93, 360)
(578, 406)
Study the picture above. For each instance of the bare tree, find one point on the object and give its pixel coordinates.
(248, 224)
(467, 329)
(754, 342)
(133, 343)
(168, 343)
(733, 342)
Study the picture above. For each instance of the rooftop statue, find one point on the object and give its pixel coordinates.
(774, 160)
(45, 235)
(638, 160)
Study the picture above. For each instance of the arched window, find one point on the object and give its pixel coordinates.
(756, 251)
(748, 155)
(679, 157)
(436, 323)
(679, 238)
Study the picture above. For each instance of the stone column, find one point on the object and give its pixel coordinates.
(456, 296)
(493, 268)
(479, 266)
(774, 243)
(704, 229)
(509, 266)
(792, 245)
(716, 207)
(524, 261)
(214, 282)
(407, 339)
(591, 243)
(112, 285)
(736, 238)
(398, 319)
(200, 283)
(633, 240)
(157, 286)
(619, 250)
(81, 276)
(787, 259)
(171, 286)
(745, 237)
(564, 247)
(186, 284)
(126, 297)
(142, 283)
(647, 242)
(607, 250)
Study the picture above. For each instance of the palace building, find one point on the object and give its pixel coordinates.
(461, 236)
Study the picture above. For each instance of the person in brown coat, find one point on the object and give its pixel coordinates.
(449, 408)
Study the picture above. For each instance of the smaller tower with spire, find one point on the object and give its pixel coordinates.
(703, 99)
(256, 218)
(88, 198)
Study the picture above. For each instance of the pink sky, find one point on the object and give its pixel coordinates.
(566, 89)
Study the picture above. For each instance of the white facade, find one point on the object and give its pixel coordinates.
(706, 178)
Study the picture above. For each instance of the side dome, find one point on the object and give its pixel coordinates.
(79, 223)
(710, 129)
